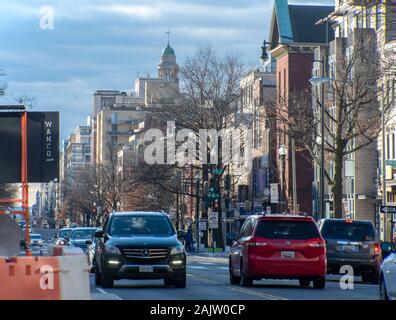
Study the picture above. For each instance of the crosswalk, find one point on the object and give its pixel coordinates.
(206, 266)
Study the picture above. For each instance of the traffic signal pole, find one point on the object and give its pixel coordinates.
(25, 185)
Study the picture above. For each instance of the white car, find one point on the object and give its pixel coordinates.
(387, 288)
(36, 240)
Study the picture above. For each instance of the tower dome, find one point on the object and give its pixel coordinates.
(168, 51)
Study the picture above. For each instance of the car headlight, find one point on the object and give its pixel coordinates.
(177, 250)
(112, 249)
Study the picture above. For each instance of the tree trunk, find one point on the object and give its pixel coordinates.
(337, 186)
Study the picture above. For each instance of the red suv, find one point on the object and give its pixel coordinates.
(279, 246)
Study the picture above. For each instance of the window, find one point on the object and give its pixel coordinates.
(283, 229)
(355, 231)
(387, 146)
(248, 229)
(393, 146)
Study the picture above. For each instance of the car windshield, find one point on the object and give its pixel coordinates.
(141, 225)
(35, 237)
(82, 234)
(292, 230)
(64, 233)
(351, 231)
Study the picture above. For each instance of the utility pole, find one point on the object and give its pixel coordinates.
(197, 215)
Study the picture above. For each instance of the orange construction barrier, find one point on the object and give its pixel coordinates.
(30, 278)
(65, 276)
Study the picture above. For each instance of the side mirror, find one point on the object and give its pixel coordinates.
(386, 248)
(55, 237)
(99, 234)
(89, 242)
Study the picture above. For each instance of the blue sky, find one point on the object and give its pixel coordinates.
(99, 44)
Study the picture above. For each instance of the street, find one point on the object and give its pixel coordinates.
(207, 279)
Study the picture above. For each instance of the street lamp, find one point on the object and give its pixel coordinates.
(316, 81)
(198, 181)
(282, 155)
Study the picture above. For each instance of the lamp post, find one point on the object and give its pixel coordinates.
(282, 155)
(198, 181)
(314, 81)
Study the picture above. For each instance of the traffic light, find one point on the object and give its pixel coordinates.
(94, 210)
(216, 204)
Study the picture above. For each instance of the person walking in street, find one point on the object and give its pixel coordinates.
(189, 239)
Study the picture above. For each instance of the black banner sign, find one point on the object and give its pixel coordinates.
(43, 146)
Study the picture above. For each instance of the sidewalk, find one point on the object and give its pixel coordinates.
(208, 252)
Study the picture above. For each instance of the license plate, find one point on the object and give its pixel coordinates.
(348, 248)
(288, 254)
(145, 269)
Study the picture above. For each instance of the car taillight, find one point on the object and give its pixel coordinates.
(377, 249)
(318, 244)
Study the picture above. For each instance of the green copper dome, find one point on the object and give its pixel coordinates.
(168, 51)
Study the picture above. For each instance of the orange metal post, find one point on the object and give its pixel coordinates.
(25, 186)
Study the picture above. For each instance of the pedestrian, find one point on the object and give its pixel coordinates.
(189, 239)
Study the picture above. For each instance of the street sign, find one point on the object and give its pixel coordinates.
(202, 225)
(274, 193)
(388, 209)
(42, 144)
(213, 220)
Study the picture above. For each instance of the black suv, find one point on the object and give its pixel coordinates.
(354, 243)
(139, 245)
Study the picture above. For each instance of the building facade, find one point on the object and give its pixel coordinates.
(293, 37)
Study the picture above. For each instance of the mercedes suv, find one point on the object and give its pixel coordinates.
(139, 245)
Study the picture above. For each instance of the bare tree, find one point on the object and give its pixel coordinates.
(352, 113)
(209, 99)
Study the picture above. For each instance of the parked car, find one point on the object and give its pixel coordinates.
(81, 237)
(354, 243)
(387, 287)
(63, 237)
(278, 246)
(36, 240)
(139, 245)
(91, 253)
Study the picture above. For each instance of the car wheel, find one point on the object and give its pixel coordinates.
(168, 282)
(304, 283)
(98, 277)
(107, 282)
(383, 294)
(180, 282)
(233, 279)
(246, 281)
(366, 277)
(374, 278)
(319, 283)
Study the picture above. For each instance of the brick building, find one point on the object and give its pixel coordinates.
(293, 37)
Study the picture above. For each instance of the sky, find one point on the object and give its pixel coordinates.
(102, 44)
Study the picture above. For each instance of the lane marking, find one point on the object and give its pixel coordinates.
(110, 294)
(197, 267)
(251, 292)
(206, 263)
